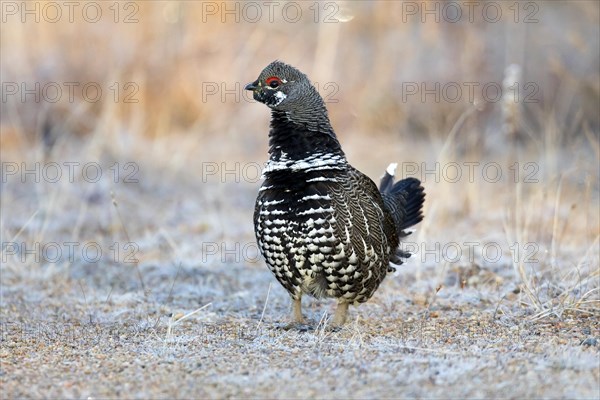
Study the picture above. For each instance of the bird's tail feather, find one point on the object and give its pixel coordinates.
(403, 199)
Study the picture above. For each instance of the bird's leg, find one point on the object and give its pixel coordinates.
(341, 312)
(297, 311)
(297, 321)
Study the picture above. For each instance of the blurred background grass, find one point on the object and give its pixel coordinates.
(176, 48)
(184, 65)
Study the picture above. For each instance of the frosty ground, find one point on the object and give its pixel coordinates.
(199, 315)
(501, 298)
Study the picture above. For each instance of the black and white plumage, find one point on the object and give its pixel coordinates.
(323, 227)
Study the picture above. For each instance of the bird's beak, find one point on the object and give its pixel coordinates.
(252, 86)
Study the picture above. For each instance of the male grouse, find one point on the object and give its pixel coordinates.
(322, 226)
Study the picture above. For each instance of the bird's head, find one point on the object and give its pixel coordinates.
(282, 87)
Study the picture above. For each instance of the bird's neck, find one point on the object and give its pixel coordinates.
(298, 136)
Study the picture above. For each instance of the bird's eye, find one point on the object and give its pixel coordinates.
(273, 81)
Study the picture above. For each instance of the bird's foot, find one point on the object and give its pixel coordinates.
(341, 312)
(331, 328)
(297, 322)
(295, 325)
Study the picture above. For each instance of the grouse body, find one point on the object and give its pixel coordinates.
(323, 227)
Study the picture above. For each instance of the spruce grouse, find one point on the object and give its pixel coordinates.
(322, 226)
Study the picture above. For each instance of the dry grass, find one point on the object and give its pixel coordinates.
(137, 323)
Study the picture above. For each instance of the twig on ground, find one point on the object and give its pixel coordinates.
(264, 309)
(173, 323)
(136, 262)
